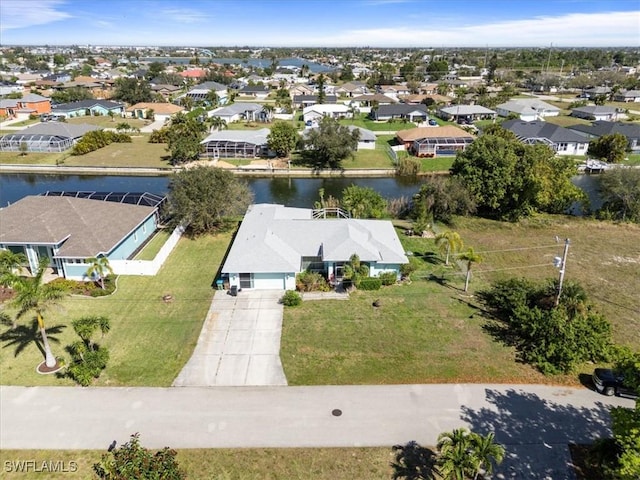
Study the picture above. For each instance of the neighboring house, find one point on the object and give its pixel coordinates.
(193, 74)
(239, 111)
(394, 91)
(352, 89)
(595, 112)
(61, 77)
(88, 107)
(159, 111)
(302, 101)
(314, 113)
(371, 99)
(366, 141)
(166, 90)
(469, 113)
(300, 89)
(434, 141)
(596, 92)
(69, 230)
(600, 128)
(527, 109)
(45, 137)
(236, 144)
(562, 140)
(274, 243)
(402, 111)
(29, 104)
(627, 96)
(7, 88)
(257, 91)
(201, 91)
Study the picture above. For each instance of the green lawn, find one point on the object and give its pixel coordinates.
(431, 331)
(232, 464)
(151, 249)
(107, 122)
(150, 339)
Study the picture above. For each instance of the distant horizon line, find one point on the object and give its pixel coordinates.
(484, 47)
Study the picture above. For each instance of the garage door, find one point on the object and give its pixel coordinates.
(268, 281)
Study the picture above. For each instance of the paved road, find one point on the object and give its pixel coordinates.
(534, 422)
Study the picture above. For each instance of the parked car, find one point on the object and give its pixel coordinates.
(432, 122)
(609, 382)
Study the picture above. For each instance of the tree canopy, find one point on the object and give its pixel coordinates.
(363, 202)
(620, 191)
(183, 138)
(509, 180)
(612, 148)
(283, 138)
(330, 143)
(132, 90)
(207, 199)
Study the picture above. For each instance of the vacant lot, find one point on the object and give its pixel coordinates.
(431, 331)
(107, 122)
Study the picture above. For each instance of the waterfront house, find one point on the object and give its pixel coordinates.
(600, 128)
(274, 243)
(434, 141)
(45, 137)
(247, 111)
(236, 144)
(527, 109)
(562, 140)
(595, 112)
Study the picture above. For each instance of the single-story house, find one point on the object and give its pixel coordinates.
(252, 112)
(627, 96)
(302, 101)
(88, 107)
(404, 111)
(64, 230)
(394, 91)
(562, 140)
(300, 89)
(165, 90)
(201, 91)
(274, 243)
(466, 112)
(7, 88)
(595, 112)
(45, 137)
(600, 128)
(434, 141)
(314, 113)
(160, 111)
(352, 89)
(366, 141)
(595, 92)
(371, 99)
(527, 109)
(257, 91)
(236, 144)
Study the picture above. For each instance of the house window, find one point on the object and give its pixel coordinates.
(246, 280)
(135, 236)
(144, 228)
(562, 147)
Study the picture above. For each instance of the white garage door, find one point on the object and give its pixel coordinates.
(268, 281)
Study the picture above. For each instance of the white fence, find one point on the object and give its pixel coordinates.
(148, 267)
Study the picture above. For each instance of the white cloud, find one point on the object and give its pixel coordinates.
(594, 29)
(184, 15)
(18, 14)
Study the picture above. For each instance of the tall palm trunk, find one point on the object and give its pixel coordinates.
(466, 281)
(50, 360)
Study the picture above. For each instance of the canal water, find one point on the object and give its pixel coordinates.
(292, 192)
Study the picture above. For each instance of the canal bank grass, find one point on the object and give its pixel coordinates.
(105, 121)
(226, 464)
(150, 339)
(431, 331)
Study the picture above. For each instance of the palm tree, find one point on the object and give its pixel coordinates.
(470, 257)
(268, 110)
(354, 270)
(10, 262)
(99, 269)
(455, 459)
(449, 242)
(216, 123)
(486, 452)
(34, 295)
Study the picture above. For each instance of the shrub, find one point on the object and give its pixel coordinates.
(406, 269)
(93, 362)
(159, 136)
(388, 278)
(370, 283)
(97, 139)
(311, 281)
(291, 299)
(408, 167)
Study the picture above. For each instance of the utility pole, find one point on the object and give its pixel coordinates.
(562, 263)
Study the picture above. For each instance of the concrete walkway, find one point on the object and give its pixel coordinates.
(239, 344)
(534, 422)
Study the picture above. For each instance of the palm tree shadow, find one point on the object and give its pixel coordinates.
(22, 336)
(414, 462)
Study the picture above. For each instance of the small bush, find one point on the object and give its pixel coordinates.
(370, 283)
(97, 139)
(311, 281)
(84, 370)
(291, 299)
(408, 167)
(406, 269)
(388, 278)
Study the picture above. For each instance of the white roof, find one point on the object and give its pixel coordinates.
(527, 105)
(235, 109)
(467, 110)
(274, 238)
(326, 108)
(257, 137)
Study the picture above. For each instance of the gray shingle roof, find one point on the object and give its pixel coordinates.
(527, 106)
(400, 109)
(274, 238)
(84, 104)
(595, 110)
(90, 227)
(59, 129)
(602, 127)
(236, 108)
(539, 129)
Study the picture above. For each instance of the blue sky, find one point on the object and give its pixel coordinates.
(323, 23)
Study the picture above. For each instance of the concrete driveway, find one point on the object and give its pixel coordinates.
(239, 344)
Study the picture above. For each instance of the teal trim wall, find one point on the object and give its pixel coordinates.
(129, 244)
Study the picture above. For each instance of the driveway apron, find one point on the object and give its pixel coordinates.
(239, 344)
